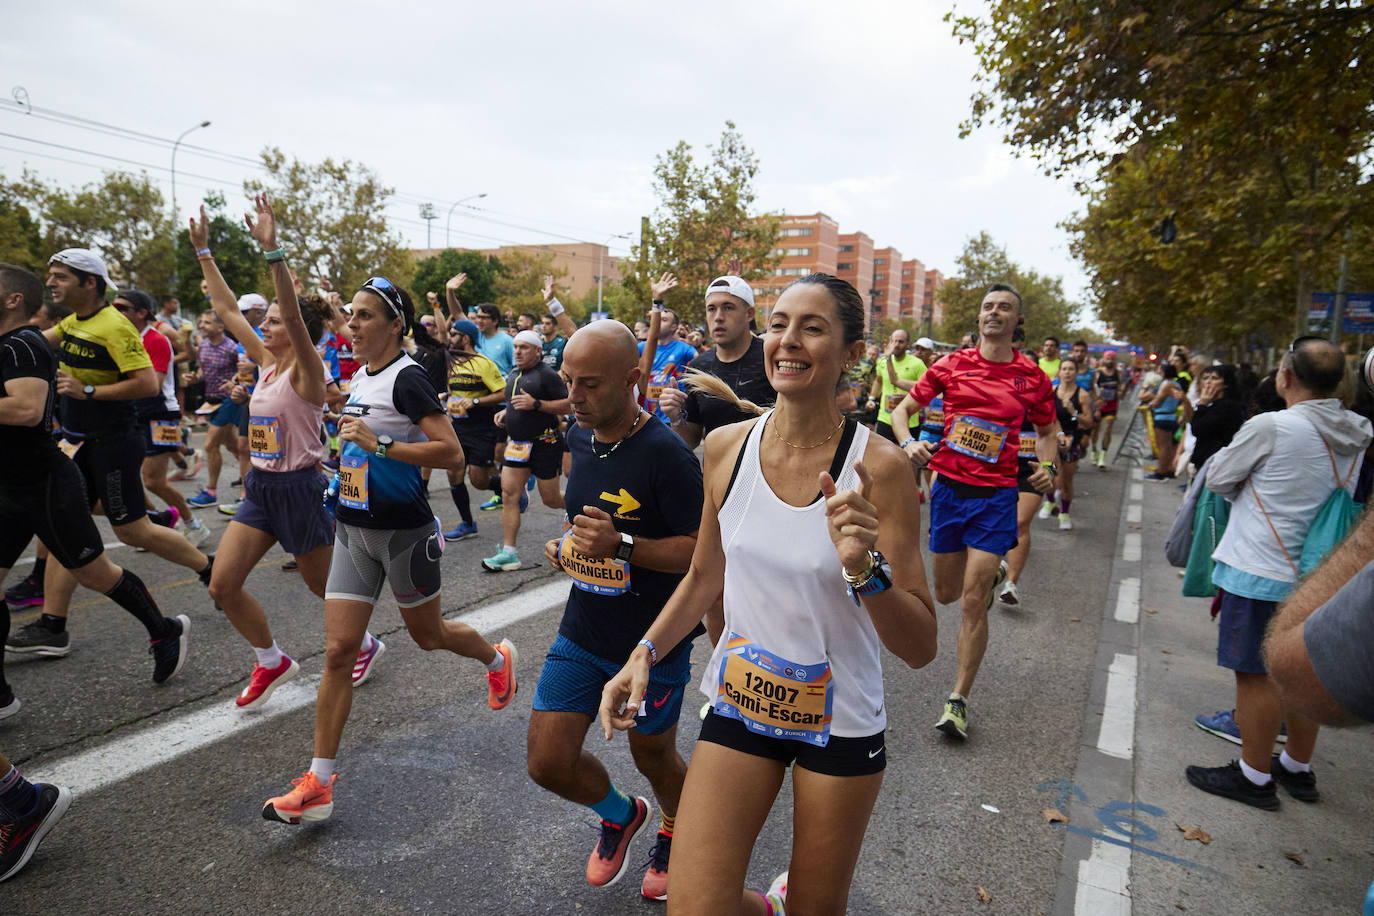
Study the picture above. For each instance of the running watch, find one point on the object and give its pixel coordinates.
(89, 392)
(625, 548)
(877, 579)
(384, 442)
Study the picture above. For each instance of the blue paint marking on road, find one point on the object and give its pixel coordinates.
(1114, 818)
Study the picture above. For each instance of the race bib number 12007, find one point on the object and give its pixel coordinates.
(773, 696)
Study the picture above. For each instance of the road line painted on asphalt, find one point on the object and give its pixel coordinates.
(1128, 601)
(1137, 492)
(1104, 882)
(1133, 513)
(117, 760)
(1137, 473)
(1116, 738)
(1130, 547)
(28, 561)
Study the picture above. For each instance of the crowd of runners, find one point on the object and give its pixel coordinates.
(674, 464)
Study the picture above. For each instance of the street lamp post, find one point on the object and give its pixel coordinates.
(448, 223)
(175, 215)
(427, 214)
(600, 264)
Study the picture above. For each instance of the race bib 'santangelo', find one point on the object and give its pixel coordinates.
(165, 432)
(518, 452)
(264, 437)
(456, 408)
(353, 481)
(1027, 449)
(598, 575)
(977, 438)
(773, 696)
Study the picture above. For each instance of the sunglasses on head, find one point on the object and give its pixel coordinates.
(388, 293)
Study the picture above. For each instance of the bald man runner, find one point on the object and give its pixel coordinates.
(633, 505)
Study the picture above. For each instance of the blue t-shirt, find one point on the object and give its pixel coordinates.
(383, 492)
(651, 487)
(1085, 379)
(670, 364)
(330, 353)
(499, 348)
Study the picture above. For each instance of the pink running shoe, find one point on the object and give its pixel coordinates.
(264, 681)
(367, 658)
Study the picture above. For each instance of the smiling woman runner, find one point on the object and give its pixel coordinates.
(282, 490)
(797, 675)
(392, 426)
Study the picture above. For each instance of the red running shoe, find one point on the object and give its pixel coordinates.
(264, 681)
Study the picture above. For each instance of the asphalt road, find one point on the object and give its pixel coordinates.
(434, 812)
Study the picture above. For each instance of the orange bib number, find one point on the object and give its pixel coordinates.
(977, 438)
(68, 447)
(655, 392)
(456, 408)
(518, 452)
(598, 575)
(264, 437)
(773, 696)
(353, 482)
(892, 400)
(1027, 449)
(165, 432)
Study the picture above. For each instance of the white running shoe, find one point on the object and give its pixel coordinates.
(1064, 523)
(1009, 594)
(1046, 508)
(197, 535)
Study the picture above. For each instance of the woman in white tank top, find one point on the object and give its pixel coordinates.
(790, 520)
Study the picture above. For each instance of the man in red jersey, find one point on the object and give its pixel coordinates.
(988, 391)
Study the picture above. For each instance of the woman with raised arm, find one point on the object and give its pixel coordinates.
(283, 490)
(392, 426)
(796, 678)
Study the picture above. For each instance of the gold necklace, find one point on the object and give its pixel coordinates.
(816, 445)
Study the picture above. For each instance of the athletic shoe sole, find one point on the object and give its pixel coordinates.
(308, 816)
(35, 601)
(951, 728)
(501, 567)
(41, 651)
(11, 708)
(59, 808)
(1219, 733)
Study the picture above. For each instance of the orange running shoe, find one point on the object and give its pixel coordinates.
(655, 883)
(308, 801)
(501, 684)
(608, 860)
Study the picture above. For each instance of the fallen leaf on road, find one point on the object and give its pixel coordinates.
(1166, 652)
(1150, 610)
(983, 895)
(1054, 816)
(1075, 619)
(1195, 833)
(1296, 857)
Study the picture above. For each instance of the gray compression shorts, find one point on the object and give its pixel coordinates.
(365, 558)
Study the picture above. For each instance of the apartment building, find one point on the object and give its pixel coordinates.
(581, 261)
(911, 290)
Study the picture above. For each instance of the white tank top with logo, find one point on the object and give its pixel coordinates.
(785, 593)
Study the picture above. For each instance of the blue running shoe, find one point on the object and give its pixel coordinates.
(1223, 724)
(524, 501)
(203, 498)
(491, 504)
(503, 561)
(529, 484)
(464, 531)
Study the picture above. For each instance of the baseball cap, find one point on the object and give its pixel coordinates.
(1110, 353)
(87, 261)
(526, 337)
(251, 301)
(735, 286)
(468, 327)
(925, 343)
(139, 300)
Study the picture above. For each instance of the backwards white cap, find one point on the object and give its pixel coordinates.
(85, 260)
(735, 286)
(251, 301)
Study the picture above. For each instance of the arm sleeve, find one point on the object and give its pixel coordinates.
(159, 352)
(1339, 637)
(413, 394)
(1251, 447)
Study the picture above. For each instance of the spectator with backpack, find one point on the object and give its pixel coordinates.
(1289, 475)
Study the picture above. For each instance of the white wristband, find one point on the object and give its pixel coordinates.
(555, 307)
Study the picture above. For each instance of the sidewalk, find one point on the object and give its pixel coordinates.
(1300, 859)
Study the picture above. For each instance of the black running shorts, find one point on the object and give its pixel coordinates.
(57, 511)
(112, 467)
(840, 756)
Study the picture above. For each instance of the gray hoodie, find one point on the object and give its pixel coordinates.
(1283, 458)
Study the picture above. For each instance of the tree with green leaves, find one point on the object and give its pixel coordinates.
(432, 273)
(704, 218)
(1047, 309)
(238, 256)
(20, 241)
(331, 219)
(1227, 93)
(519, 284)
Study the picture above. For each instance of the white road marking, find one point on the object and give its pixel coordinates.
(1137, 492)
(1128, 601)
(1137, 473)
(1104, 882)
(1116, 737)
(28, 561)
(1130, 547)
(1133, 513)
(117, 760)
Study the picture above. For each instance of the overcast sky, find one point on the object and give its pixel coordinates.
(554, 110)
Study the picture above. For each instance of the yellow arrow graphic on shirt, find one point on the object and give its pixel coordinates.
(625, 501)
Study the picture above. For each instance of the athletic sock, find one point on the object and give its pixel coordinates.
(957, 696)
(271, 656)
(18, 796)
(1254, 775)
(616, 807)
(131, 594)
(204, 574)
(459, 492)
(668, 824)
(497, 663)
(1064, 506)
(323, 768)
(52, 623)
(510, 548)
(40, 566)
(1288, 763)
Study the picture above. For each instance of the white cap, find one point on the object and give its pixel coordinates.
(85, 260)
(251, 301)
(735, 286)
(531, 338)
(925, 343)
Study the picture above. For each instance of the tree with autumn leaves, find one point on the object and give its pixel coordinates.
(1248, 125)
